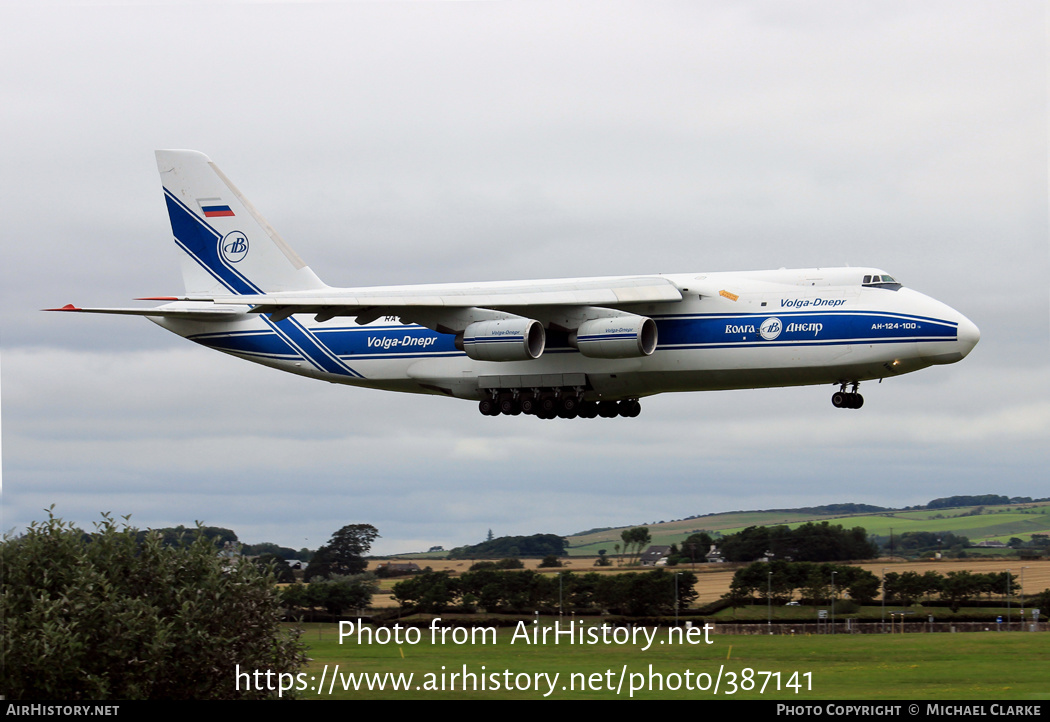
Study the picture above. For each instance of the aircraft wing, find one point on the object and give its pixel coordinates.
(369, 303)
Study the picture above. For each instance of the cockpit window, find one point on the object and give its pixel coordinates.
(881, 281)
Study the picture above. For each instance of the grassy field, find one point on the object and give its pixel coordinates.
(992, 522)
(980, 666)
(988, 523)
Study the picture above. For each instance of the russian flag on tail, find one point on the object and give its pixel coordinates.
(214, 207)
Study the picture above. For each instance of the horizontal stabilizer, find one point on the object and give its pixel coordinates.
(194, 314)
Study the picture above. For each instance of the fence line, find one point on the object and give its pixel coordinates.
(909, 627)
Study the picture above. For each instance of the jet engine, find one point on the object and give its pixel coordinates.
(507, 339)
(626, 336)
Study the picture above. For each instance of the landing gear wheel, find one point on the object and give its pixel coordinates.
(588, 409)
(528, 404)
(847, 400)
(607, 409)
(548, 406)
(626, 408)
(488, 407)
(509, 407)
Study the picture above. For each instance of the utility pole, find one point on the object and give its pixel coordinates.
(832, 602)
(884, 599)
(769, 603)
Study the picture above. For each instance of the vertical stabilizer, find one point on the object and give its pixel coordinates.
(226, 246)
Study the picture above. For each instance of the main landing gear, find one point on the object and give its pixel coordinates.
(843, 399)
(567, 403)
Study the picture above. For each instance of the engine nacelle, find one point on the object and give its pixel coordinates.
(616, 337)
(508, 339)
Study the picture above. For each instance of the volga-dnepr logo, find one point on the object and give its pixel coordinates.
(234, 246)
(770, 328)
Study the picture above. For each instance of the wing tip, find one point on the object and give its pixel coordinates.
(67, 307)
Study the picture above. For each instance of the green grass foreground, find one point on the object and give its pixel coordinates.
(979, 666)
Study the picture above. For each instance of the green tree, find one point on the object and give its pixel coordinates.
(645, 594)
(696, 546)
(268, 548)
(817, 586)
(344, 553)
(958, 588)
(429, 592)
(746, 545)
(863, 586)
(340, 593)
(906, 587)
(276, 565)
(635, 539)
(106, 616)
(535, 545)
(812, 542)
(508, 563)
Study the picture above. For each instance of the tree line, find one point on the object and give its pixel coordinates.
(811, 542)
(535, 545)
(781, 581)
(630, 593)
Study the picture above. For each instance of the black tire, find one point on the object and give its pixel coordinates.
(588, 409)
(840, 400)
(486, 407)
(509, 407)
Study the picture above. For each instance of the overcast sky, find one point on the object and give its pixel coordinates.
(405, 142)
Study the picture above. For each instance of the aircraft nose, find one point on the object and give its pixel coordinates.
(968, 335)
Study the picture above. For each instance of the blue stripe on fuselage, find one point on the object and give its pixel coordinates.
(839, 327)
(327, 348)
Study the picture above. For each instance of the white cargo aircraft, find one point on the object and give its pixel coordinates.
(552, 348)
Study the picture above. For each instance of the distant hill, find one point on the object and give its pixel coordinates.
(983, 500)
(838, 509)
(990, 516)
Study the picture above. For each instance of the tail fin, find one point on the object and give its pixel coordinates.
(226, 246)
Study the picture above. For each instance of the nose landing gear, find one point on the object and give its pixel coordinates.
(843, 399)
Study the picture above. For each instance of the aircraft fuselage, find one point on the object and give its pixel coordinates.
(732, 330)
